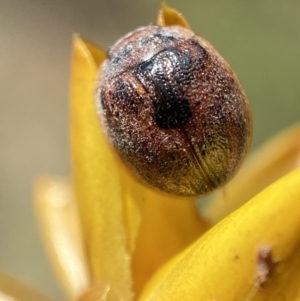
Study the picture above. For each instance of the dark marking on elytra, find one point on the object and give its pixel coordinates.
(166, 73)
(171, 112)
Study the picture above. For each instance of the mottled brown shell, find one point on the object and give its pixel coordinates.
(173, 110)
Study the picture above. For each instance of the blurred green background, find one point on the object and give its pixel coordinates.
(260, 39)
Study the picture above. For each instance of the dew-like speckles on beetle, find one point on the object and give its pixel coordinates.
(173, 110)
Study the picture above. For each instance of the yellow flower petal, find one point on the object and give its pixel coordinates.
(97, 179)
(98, 293)
(253, 254)
(275, 159)
(61, 229)
(134, 197)
(168, 16)
(184, 224)
(14, 290)
(169, 224)
(132, 191)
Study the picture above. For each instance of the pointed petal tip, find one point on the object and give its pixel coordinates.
(85, 48)
(76, 36)
(168, 16)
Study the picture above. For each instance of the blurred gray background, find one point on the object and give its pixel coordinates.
(260, 39)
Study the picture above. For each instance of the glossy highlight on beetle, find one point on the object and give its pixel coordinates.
(173, 110)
